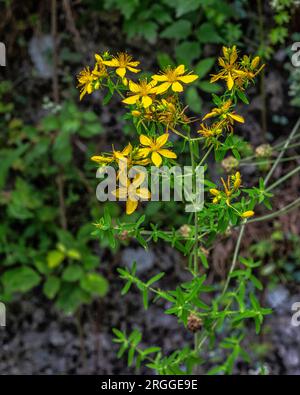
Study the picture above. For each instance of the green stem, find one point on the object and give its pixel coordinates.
(284, 210)
(287, 143)
(235, 256)
(206, 155)
(266, 162)
(283, 178)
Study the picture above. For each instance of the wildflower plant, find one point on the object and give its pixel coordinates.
(155, 110)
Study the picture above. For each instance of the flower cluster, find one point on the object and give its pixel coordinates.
(237, 72)
(230, 191)
(150, 151)
(155, 108)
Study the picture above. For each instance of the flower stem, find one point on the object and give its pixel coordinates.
(287, 143)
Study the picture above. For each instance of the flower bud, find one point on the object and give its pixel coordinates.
(247, 214)
(230, 163)
(263, 151)
(194, 323)
(185, 230)
(135, 113)
(214, 192)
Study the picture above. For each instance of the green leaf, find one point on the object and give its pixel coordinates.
(203, 259)
(74, 254)
(21, 279)
(193, 99)
(120, 335)
(95, 284)
(55, 258)
(186, 6)
(70, 297)
(255, 281)
(187, 51)
(178, 29)
(208, 34)
(8, 156)
(145, 299)
(243, 97)
(72, 273)
(62, 149)
(209, 87)
(164, 60)
(51, 287)
(157, 277)
(203, 67)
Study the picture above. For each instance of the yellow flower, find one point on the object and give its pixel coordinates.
(247, 214)
(173, 78)
(217, 195)
(230, 68)
(214, 192)
(225, 113)
(142, 91)
(155, 147)
(89, 80)
(237, 180)
(210, 131)
(251, 66)
(122, 62)
(114, 156)
(168, 113)
(132, 192)
(226, 187)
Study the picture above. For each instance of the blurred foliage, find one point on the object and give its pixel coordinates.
(34, 249)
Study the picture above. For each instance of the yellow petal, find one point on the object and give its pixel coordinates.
(131, 99)
(177, 87)
(159, 77)
(133, 70)
(167, 153)
(133, 64)
(98, 58)
(147, 101)
(131, 206)
(237, 117)
(126, 151)
(180, 69)
(101, 159)
(161, 140)
(121, 71)
(82, 94)
(230, 82)
(144, 140)
(162, 88)
(143, 152)
(188, 78)
(143, 193)
(112, 63)
(156, 159)
(134, 87)
(152, 84)
(209, 115)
